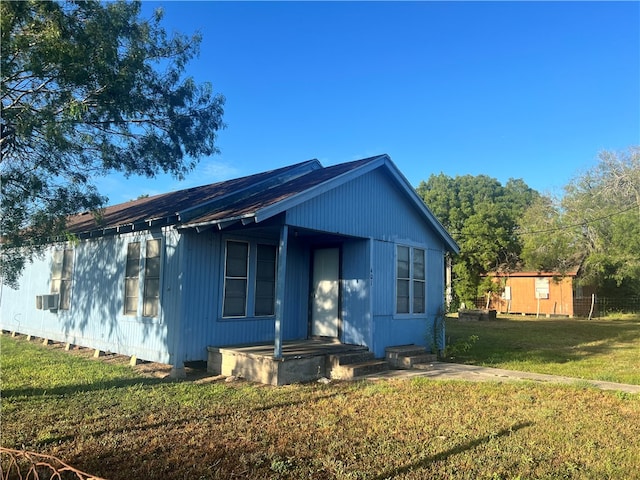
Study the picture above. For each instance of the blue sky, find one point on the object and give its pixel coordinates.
(530, 90)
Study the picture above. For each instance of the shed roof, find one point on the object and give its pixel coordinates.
(533, 274)
(249, 199)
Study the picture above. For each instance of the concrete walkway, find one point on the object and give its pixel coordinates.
(456, 371)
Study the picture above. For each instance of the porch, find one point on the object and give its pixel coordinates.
(301, 361)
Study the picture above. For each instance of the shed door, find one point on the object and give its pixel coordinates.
(326, 292)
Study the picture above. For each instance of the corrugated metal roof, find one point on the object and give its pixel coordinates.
(533, 274)
(265, 198)
(248, 199)
(215, 202)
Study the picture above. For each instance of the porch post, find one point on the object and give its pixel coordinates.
(280, 281)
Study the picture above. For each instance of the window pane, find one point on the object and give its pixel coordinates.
(131, 287)
(56, 266)
(265, 288)
(235, 285)
(264, 306)
(237, 259)
(55, 286)
(65, 295)
(236, 288)
(403, 305)
(132, 273)
(151, 293)
(150, 308)
(153, 248)
(235, 294)
(151, 288)
(67, 264)
(266, 269)
(131, 296)
(265, 297)
(418, 264)
(133, 260)
(234, 308)
(152, 267)
(403, 262)
(267, 253)
(131, 306)
(402, 296)
(418, 297)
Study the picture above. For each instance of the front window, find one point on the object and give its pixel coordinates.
(249, 279)
(143, 279)
(61, 274)
(410, 280)
(418, 275)
(235, 279)
(131, 279)
(151, 297)
(403, 280)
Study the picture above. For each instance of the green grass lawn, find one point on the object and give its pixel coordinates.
(590, 349)
(110, 421)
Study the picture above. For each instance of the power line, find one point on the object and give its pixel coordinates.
(555, 229)
(581, 224)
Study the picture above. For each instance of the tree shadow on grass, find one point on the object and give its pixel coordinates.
(27, 393)
(424, 462)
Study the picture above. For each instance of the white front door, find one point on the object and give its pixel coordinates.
(326, 290)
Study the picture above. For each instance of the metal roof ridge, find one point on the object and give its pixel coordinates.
(286, 175)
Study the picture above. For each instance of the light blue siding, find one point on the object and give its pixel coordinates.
(370, 206)
(297, 291)
(366, 217)
(202, 274)
(356, 298)
(95, 318)
(391, 329)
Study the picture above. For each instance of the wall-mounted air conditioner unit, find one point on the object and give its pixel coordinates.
(47, 302)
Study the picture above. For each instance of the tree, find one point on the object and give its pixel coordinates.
(89, 88)
(603, 204)
(482, 216)
(596, 226)
(548, 244)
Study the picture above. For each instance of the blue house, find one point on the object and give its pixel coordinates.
(348, 254)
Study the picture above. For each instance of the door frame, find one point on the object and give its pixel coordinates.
(337, 246)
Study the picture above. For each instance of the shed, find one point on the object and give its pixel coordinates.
(540, 293)
(347, 253)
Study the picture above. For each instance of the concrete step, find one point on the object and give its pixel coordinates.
(413, 360)
(353, 370)
(349, 358)
(423, 366)
(407, 356)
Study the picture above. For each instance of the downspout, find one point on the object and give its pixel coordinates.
(280, 287)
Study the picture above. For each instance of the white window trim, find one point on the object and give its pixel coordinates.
(224, 276)
(63, 249)
(141, 278)
(412, 279)
(252, 266)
